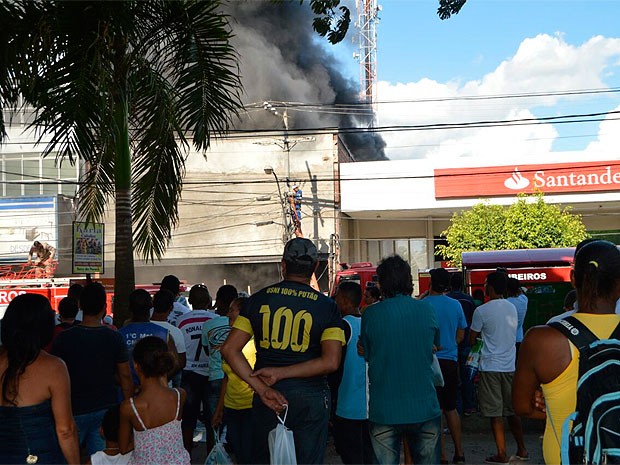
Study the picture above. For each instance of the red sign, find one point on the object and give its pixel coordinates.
(594, 176)
(559, 274)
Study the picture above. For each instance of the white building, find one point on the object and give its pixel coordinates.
(403, 206)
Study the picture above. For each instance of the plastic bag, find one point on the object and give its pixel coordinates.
(473, 360)
(282, 443)
(218, 455)
(437, 375)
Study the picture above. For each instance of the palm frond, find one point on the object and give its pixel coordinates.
(12, 51)
(64, 73)
(97, 187)
(158, 162)
(204, 68)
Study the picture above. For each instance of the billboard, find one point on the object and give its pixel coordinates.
(24, 220)
(555, 178)
(87, 248)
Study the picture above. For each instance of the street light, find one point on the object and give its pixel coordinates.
(270, 170)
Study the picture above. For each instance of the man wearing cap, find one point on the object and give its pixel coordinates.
(299, 337)
(452, 325)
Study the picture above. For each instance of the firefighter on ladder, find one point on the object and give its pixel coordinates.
(43, 262)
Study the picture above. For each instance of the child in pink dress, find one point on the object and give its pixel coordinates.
(153, 416)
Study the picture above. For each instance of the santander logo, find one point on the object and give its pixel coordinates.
(516, 181)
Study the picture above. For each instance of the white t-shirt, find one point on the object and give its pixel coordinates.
(178, 310)
(177, 335)
(496, 321)
(101, 458)
(190, 324)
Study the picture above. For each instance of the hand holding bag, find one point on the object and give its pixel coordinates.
(218, 455)
(282, 443)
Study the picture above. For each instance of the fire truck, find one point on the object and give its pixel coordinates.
(20, 279)
(363, 273)
(544, 275)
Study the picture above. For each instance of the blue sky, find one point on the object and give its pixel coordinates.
(495, 47)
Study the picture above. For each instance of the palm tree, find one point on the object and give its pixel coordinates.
(125, 86)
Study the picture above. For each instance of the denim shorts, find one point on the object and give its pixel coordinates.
(423, 440)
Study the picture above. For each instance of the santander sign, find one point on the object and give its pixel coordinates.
(593, 176)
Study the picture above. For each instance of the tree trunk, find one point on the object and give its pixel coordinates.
(124, 275)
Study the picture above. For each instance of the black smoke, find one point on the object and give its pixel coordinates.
(282, 60)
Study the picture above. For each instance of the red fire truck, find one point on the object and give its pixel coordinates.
(363, 273)
(55, 289)
(543, 273)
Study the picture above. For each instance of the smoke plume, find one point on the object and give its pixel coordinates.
(281, 60)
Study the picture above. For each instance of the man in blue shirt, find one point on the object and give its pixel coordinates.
(350, 423)
(397, 337)
(452, 325)
(140, 304)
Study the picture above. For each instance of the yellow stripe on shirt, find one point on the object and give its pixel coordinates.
(333, 334)
(244, 325)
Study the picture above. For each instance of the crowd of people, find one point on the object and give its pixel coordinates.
(75, 388)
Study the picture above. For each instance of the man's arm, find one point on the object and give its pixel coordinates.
(526, 382)
(476, 327)
(232, 351)
(473, 335)
(460, 335)
(123, 373)
(328, 362)
(33, 249)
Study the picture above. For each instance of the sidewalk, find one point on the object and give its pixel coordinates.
(477, 443)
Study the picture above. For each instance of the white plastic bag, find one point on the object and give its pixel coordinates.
(437, 375)
(218, 455)
(282, 443)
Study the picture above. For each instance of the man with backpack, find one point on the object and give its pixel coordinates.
(580, 380)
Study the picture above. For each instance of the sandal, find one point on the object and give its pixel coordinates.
(458, 459)
(522, 458)
(495, 459)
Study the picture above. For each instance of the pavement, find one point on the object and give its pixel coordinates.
(478, 443)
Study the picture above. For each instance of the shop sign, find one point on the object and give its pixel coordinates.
(593, 176)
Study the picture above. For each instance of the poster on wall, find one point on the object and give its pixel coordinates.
(87, 248)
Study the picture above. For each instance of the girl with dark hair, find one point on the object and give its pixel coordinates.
(35, 404)
(548, 359)
(154, 415)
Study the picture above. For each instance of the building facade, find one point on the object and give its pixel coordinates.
(403, 206)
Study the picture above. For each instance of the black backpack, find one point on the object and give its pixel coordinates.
(595, 435)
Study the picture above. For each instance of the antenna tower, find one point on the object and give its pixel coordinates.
(367, 19)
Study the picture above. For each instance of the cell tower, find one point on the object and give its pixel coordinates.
(367, 19)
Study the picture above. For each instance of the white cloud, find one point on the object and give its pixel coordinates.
(541, 64)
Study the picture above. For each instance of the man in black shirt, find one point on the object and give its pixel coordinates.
(96, 356)
(299, 337)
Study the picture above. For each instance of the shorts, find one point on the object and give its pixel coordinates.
(448, 393)
(495, 394)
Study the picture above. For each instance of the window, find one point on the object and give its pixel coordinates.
(22, 175)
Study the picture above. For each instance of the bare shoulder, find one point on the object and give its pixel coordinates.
(53, 366)
(544, 333)
(125, 409)
(548, 350)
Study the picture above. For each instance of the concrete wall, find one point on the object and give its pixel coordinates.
(233, 224)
